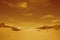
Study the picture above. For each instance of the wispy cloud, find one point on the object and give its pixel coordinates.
(22, 5)
(16, 5)
(56, 20)
(7, 3)
(48, 16)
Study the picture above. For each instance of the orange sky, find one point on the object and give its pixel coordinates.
(29, 34)
(29, 12)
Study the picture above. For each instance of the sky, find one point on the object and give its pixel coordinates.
(30, 12)
(29, 34)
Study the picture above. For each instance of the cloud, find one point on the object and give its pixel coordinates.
(7, 3)
(51, 18)
(48, 16)
(16, 5)
(57, 20)
(22, 5)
